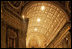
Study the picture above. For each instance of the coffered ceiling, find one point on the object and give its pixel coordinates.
(45, 18)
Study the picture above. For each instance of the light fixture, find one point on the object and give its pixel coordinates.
(38, 20)
(42, 8)
(66, 38)
(35, 29)
(23, 16)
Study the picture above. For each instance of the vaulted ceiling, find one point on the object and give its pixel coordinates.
(49, 27)
(45, 21)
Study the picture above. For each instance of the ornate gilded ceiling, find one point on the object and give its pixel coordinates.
(46, 18)
(13, 7)
(16, 7)
(45, 21)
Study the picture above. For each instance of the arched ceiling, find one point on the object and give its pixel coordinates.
(45, 19)
(15, 8)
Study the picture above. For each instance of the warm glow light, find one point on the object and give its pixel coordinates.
(35, 29)
(38, 20)
(66, 38)
(42, 8)
(23, 16)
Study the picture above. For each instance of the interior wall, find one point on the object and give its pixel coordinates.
(7, 20)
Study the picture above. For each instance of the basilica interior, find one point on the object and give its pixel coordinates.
(35, 24)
